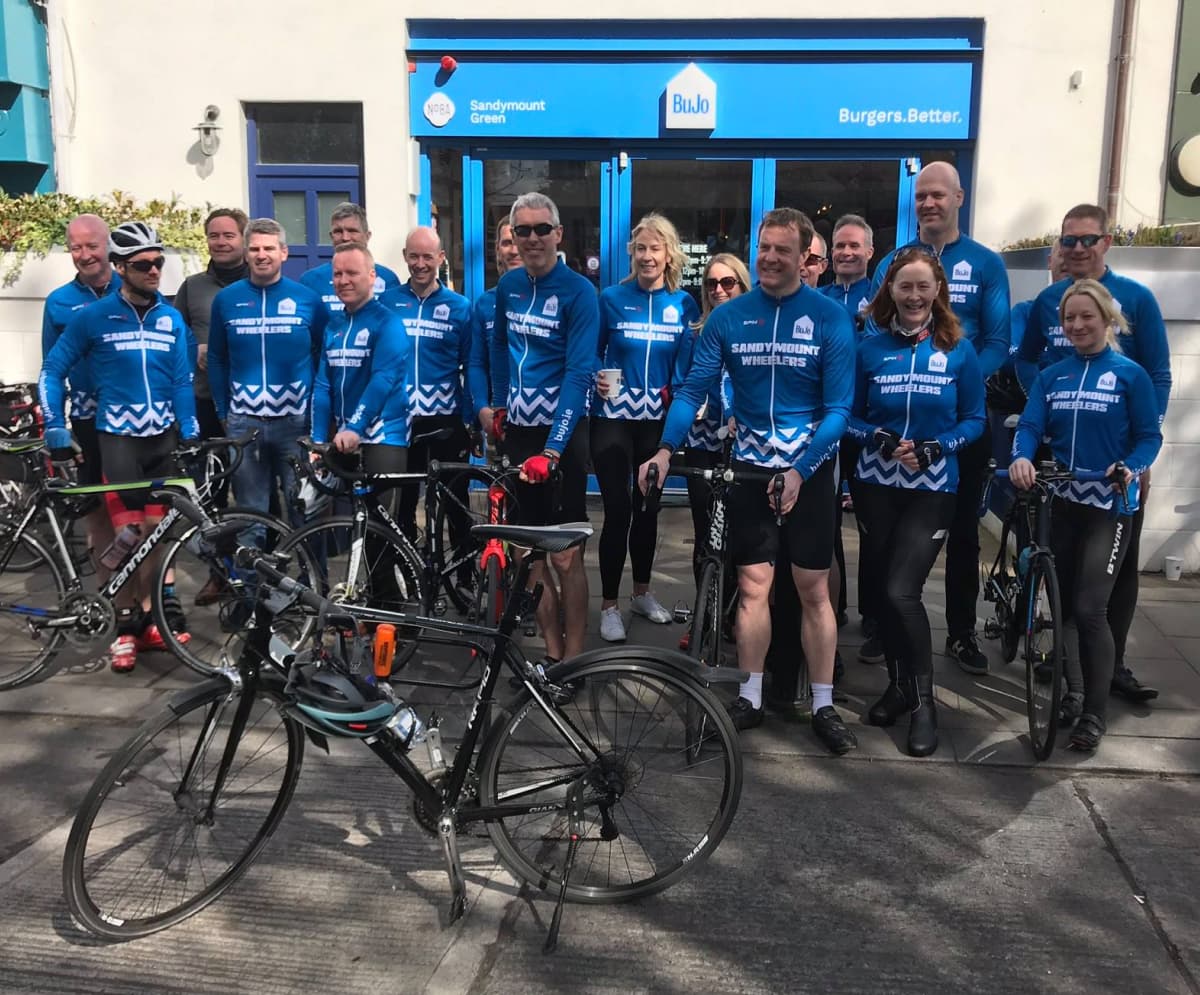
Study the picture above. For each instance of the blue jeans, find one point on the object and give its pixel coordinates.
(265, 465)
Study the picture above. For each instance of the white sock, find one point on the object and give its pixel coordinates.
(752, 690)
(822, 695)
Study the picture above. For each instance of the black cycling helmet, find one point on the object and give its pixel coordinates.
(130, 238)
(338, 703)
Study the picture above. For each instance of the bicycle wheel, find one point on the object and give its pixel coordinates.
(213, 597)
(704, 640)
(666, 812)
(1043, 647)
(492, 593)
(35, 591)
(457, 563)
(386, 575)
(159, 835)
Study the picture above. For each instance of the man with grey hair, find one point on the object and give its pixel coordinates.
(265, 335)
(853, 247)
(347, 223)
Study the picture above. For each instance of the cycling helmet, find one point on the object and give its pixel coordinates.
(336, 703)
(130, 238)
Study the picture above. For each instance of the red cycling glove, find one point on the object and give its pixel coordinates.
(499, 419)
(537, 469)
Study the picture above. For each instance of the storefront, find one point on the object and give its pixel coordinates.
(682, 118)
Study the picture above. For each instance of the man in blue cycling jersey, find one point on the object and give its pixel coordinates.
(1084, 241)
(789, 351)
(347, 223)
(979, 296)
(483, 318)
(265, 336)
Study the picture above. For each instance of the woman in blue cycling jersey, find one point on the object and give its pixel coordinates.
(1098, 409)
(644, 323)
(918, 400)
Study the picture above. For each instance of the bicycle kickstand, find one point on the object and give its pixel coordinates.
(458, 887)
(575, 825)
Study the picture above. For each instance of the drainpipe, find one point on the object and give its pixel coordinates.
(1116, 141)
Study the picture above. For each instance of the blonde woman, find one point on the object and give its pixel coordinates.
(645, 320)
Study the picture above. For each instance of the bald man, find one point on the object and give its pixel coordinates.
(979, 297)
(438, 322)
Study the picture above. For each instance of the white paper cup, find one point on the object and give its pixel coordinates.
(1173, 567)
(609, 381)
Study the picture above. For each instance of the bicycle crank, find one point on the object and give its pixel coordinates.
(94, 619)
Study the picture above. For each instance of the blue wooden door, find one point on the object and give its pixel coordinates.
(302, 204)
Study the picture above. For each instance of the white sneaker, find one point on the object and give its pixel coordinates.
(647, 605)
(612, 628)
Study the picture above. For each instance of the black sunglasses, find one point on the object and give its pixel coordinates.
(813, 259)
(726, 283)
(1070, 241)
(540, 230)
(146, 265)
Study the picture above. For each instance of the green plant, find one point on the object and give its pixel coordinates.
(36, 223)
(1186, 234)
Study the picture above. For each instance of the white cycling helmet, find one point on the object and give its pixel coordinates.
(130, 238)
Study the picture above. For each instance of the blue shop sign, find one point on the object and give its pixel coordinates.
(611, 98)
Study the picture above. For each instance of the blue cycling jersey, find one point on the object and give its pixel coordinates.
(641, 334)
(141, 365)
(1145, 343)
(978, 284)
(360, 381)
(1019, 320)
(263, 344)
(791, 368)
(479, 359)
(61, 306)
(319, 279)
(439, 337)
(544, 349)
(705, 431)
(921, 393)
(854, 297)
(1095, 410)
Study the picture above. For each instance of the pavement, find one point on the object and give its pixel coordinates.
(977, 869)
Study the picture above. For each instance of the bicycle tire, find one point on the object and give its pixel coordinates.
(208, 646)
(644, 701)
(469, 549)
(495, 588)
(327, 546)
(704, 645)
(137, 820)
(37, 589)
(1043, 645)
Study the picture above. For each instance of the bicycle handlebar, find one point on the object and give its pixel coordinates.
(724, 474)
(1053, 472)
(190, 450)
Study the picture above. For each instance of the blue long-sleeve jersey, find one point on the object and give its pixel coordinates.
(319, 279)
(60, 307)
(544, 349)
(979, 295)
(791, 368)
(1145, 343)
(921, 393)
(1017, 323)
(1095, 410)
(263, 344)
(854, 297)
(439, 340)
(641, 334)
(141, 368)
(479, 357)
(360, 381)
(704, 431)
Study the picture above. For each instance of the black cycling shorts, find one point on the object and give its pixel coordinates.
(137, 457)
(84, 430)
(806, 536)
(536, 503)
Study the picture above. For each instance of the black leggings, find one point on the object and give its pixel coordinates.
(1089, 548)
(454, 449)
(1122, 604)
(700, 500)
(962, 547)
(903, 531)
(619, 447)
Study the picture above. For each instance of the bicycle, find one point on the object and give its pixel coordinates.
(597, 807)
(43, 602)
(1023, 586)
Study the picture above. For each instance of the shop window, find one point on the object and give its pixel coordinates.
(446, 206)
(299, 134)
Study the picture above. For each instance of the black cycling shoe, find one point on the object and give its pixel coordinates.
(743, 714)
(872, 650)
(1125, 685)
(832, 731)
(965, 651)
(1070, 709)
(1087, 733)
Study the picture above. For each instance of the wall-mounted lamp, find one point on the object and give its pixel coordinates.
(208, 128)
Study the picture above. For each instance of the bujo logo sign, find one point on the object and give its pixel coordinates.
(691, 99)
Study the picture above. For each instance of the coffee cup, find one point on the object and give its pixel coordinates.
(608, 381)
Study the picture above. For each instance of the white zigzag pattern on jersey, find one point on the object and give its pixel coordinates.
(432, 399)
(374, 434)
(703, 435)
(875, 469)
(781, 449)
(270, 401)
(137, 419)
(634, 404)
(532, 405)
(1096, 493)
(83, 405)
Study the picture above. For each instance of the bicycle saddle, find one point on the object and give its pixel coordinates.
(548, 538)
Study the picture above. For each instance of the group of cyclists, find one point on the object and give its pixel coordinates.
(885, 385)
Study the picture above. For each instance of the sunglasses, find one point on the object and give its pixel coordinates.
(813, 259)
(1070, 241)
(726, 283)
(146, 265)
(540, 230)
